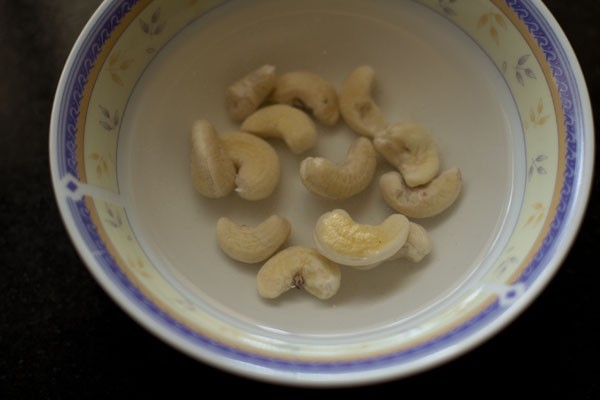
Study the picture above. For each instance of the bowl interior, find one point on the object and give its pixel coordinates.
(427, 71)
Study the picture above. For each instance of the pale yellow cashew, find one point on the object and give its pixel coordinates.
(285, 122)
(247, 94)
(310, 92)
(418, 245)
(300, 268)
(357, 107)
(257, 163)
(331, 181)
(212, 171)
(338, 237)
(252, 244)
(422, 201)
(409, 148)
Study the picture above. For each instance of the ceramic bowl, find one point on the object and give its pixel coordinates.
(494, 82)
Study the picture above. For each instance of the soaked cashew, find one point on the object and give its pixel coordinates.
(257, 163)
(417, 246)
(338, 237)
(310, 92)
(423, 201)
(247, 94)
(252, 244)
(410, 149)
(331, 181)
(286, 122)
(213, 172)
(357, 107)
(302, 268)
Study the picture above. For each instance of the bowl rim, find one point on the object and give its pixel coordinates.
(576, 212)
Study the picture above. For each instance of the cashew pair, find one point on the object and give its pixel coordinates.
(294, 267)
(234, 161)
(339, 238)
(304, 90)
(415, 189)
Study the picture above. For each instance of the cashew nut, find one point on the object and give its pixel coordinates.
(246, 95)
(417, 246)
(357, 107)
(213, 172)
(257, 163)
(302, 268)
(410, 149)
(338, 237)
(286, 122)
(252, 244)
(422, 201)
(331, 181)
(310, 92)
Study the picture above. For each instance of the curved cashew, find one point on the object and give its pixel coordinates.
(212, 171)
(423, 201)
(302, 268)
(417, 246)
(257, 163)
(246, 95)
(410, 149)
(341, 239)
(356, 105)
(310, 92)
(282, 121)
(251, 244)
(331, 181)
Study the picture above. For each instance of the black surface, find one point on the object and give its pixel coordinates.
(62, 337)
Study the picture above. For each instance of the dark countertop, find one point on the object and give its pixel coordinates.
(62, 337)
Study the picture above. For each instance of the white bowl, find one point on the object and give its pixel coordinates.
(497, 85)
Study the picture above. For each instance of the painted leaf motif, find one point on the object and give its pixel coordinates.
(104, 111)
(144, 25)
(543, 120)
(94, 156)
(519, 77)
(542, 171)
(532, 115)
(159, 28)
(106, 125)
(523, 59)
(125, 64)
(529, 72)
(155, 15)
(114, 58)
(116, 78)
(540, 106)
(483, 20)
(494, 33)
(500, 20)
(541, 158)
